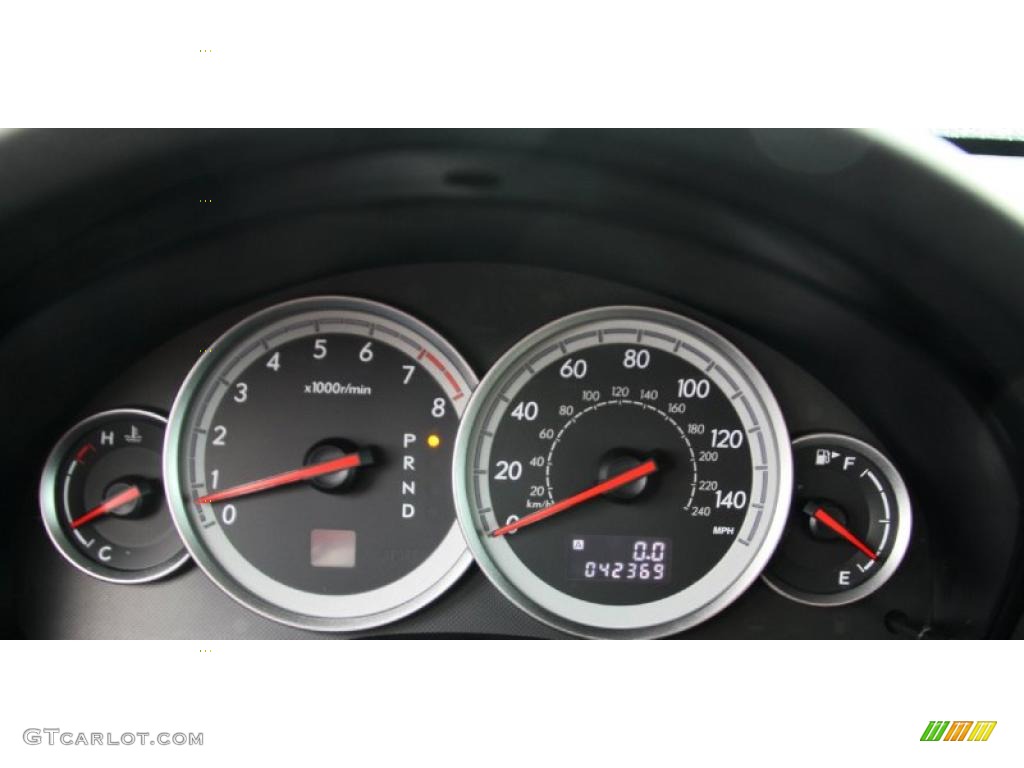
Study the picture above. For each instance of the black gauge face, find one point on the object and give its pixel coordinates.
(622, 471)
(849, 524)
(312, 453)
(611, 420)
(103, 501)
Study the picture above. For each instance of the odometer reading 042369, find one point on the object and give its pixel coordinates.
(308, 463)
(623, 471)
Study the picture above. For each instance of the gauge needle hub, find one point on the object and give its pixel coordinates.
(348, 461)
(616, 481)
(118, 500)
(825, 518)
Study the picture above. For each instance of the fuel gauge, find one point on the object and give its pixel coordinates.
(102, 498)
(849, 524)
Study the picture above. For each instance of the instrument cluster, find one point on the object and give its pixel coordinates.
(624, 468)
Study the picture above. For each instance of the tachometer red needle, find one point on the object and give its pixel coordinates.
(118, 500)
(348, 461)
(616, 481)
(823, 516)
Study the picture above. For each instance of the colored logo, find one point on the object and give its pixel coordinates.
(958, 730)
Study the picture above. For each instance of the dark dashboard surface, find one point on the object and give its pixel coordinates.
(877, 298)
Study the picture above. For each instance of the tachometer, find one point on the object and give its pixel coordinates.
(623, 471)
(308, 463)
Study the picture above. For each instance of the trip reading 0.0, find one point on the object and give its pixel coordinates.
(620, 558)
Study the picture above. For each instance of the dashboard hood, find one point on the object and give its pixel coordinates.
(875, 263)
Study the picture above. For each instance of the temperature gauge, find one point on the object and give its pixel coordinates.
(849, 524)
(102, 498)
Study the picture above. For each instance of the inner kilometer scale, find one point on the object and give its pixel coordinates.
(623, 471)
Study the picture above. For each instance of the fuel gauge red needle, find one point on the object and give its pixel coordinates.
(119, 500)
(348, 461)
(616, 481)
(824, 517)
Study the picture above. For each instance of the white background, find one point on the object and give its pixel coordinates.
(532, 62)
(528, 62)
(514, 704)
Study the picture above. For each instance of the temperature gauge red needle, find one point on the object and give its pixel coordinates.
(824, 517)
(348, 461)
(119, 500)
(616, 481)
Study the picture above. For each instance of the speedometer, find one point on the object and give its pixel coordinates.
(623, 471)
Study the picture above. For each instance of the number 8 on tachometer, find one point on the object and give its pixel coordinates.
(623, 472)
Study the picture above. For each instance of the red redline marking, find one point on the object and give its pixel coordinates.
(445, 371)
(453, 382)
(80, 456)
(421, 354)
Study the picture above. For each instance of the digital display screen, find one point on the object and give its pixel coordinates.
(633, 559)
(332, 549)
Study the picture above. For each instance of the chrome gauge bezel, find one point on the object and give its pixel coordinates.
(48, 491)
(423, 584)
(904, 526)
(654, 619)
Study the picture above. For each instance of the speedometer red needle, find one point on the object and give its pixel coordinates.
(118, 500)
(824, 517)
(616, 481)
(348, 461)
